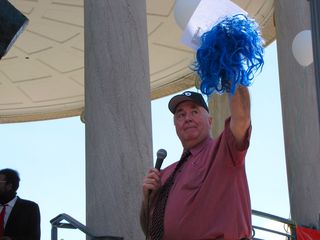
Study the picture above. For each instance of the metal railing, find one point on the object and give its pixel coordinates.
(65, 221)
(289, 223)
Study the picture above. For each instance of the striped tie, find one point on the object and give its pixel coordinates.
(156, 231)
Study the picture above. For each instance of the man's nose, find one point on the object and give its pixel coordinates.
(188, 117)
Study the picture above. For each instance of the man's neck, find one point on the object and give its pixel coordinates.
(7, 198)
(192, 144)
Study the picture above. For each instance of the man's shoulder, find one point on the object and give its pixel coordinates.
(22, 201)
(170, 167)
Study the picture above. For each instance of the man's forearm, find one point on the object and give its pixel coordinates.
(240, 112)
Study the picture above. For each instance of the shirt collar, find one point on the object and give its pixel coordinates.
(195, 150)
(11, 202)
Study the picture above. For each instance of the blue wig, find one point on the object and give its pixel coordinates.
(230, 54)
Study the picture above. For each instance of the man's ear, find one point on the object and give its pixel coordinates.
(210, 121)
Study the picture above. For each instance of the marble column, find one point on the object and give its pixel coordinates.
(300, 115)
(117, 115)
(219, 110)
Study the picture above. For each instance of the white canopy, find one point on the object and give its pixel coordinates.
(42, 76)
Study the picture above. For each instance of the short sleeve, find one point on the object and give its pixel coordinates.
(237, 154)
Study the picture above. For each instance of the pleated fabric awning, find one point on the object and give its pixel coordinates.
(42, 76)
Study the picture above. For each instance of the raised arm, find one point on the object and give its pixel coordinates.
(240, 113)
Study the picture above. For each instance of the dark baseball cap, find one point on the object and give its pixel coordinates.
(187, 96)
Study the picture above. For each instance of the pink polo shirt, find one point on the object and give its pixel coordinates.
(210, 197)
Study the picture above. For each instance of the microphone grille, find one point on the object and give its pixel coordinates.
(162, 154)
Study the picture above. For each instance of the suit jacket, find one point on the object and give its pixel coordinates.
(24, 221)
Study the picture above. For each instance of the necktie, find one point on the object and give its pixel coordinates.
(156, 231)
(2, 214)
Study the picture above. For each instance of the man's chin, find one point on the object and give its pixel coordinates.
(191, 138)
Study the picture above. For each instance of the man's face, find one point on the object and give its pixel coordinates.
(193, 124)
(5, 188)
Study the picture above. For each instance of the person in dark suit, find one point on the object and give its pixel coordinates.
(21, 217)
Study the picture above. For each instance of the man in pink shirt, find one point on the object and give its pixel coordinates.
(208, 197)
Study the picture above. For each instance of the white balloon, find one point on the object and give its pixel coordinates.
(302, 48)
(183, 11)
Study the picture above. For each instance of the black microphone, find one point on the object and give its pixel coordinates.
(161, 155)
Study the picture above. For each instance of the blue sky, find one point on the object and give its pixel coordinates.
(50, 155)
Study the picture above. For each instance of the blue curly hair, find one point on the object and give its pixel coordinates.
(230, 54)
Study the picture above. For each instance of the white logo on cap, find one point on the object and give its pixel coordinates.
(187, 93)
